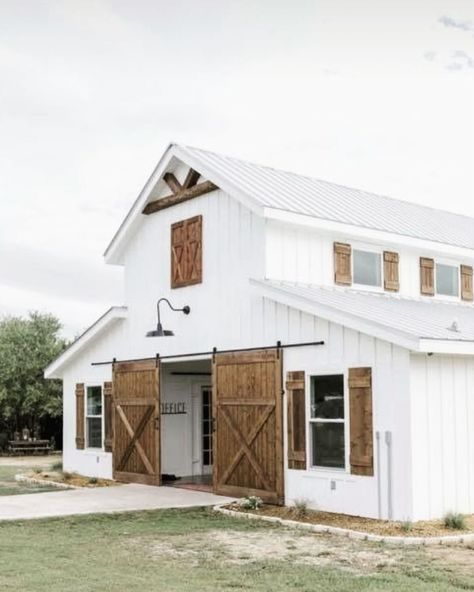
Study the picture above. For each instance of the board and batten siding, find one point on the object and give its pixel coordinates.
(306, 255)
(232, 253)
(339, 490)
(442, 426)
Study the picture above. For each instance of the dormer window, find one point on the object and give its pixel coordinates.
(367, 268)
(447, 280)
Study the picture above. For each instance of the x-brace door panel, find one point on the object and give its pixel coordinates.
(136, 394)
(248, 424)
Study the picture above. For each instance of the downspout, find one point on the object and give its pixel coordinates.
(379, 485)
(388, 442)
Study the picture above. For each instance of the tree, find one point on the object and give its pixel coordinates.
(27, 346)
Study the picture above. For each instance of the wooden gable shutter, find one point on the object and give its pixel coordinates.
(108, 417)
(427, 276)
(390, 271)
(186, 252)
(295, 389)
(360, 418)
(178, 255)
(194, 250)
(80, 411)
(342, 264)
(466, 282)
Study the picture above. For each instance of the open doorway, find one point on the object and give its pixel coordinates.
(186, 424)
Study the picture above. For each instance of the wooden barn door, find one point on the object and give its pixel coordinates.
(248, 436)
(136, 392)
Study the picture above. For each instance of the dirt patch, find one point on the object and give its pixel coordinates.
(430, 528)
(70, 479)
(237, 547)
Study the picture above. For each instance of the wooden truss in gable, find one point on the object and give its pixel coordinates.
(189, 189)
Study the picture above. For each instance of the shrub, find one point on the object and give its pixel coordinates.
(57, 466)
(455, 521)
(92, 480)
(301, 506)
(406, 525)
(251, 502)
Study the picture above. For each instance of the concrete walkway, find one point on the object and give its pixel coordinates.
(102, 500)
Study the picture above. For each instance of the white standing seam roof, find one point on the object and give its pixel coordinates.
(415, 318)
(300, 194)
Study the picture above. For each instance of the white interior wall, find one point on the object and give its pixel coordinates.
(181, 444)
(442, 395)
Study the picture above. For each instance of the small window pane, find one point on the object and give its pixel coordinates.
(327, 397)
(367, 268)
(94, 432)
(328, 445)
(94, 400)
(447, 280)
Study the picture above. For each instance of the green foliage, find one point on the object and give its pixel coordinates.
(406, 525)
(27, 346)
(57, 466)
(251, 502)
(455, 521)
(93, 480)
(301, 506)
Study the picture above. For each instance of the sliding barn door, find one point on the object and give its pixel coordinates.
(248, 436)
(136, 451)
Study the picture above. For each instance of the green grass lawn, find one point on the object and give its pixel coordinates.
(8, 485)
(197, 550)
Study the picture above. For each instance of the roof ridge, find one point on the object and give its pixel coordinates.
(326, 182)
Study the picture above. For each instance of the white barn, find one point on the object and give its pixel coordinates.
(328, 353)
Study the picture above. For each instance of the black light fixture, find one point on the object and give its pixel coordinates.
(159, 331)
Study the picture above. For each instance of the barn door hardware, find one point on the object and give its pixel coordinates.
(222, 351)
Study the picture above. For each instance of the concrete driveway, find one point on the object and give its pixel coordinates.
(102, 500)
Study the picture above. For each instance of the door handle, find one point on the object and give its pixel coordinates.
(157, 423)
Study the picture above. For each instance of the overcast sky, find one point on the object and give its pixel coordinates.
(374, 94)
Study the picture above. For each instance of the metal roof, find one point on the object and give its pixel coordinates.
(305, 195)
(421, 319)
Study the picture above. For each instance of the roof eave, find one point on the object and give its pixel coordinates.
(334, 315)
(367, 234)
(53, 370)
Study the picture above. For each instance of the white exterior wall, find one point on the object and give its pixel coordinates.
(92, 462)
(442, 396)
(305, 255)
(338, 490)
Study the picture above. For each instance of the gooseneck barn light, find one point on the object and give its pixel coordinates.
(159, 331)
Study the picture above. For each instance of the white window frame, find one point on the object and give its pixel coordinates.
(450, 263)
(369, 249)
(345, 421)
(87, 416)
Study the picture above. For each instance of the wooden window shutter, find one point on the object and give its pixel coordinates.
(466, 282)
(390, 271)
(194, 250)
(360, 417)
(295, 388)
(186, 252)
(427, 276)
(80, 411)
(342, 264)
(108, 417)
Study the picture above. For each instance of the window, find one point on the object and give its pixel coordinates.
(94, 417)
(447, 280)
(367, 268)
(327, 423)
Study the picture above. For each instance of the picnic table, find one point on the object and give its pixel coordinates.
(29, 446)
